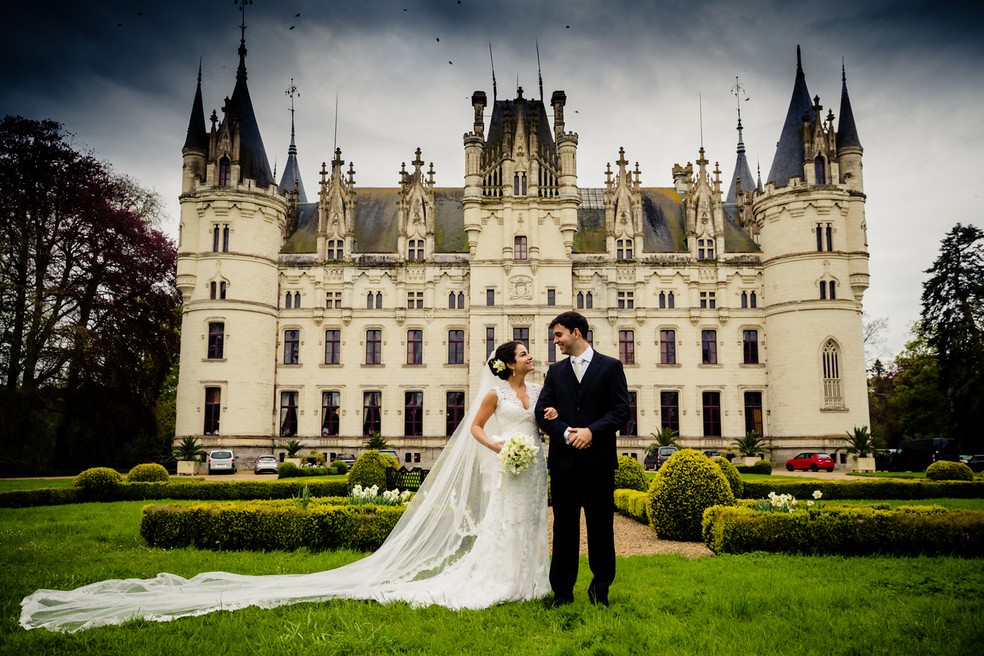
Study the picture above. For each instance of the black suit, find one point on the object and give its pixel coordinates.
(583, 478)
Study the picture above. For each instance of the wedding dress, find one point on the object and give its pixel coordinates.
(474, 536)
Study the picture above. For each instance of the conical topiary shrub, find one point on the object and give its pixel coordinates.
(687, 485)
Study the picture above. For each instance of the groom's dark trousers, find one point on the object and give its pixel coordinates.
(583, 478)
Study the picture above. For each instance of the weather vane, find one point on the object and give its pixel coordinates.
(738, 91)
(292, 93)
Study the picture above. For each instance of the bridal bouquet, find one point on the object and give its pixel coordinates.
(517, 453)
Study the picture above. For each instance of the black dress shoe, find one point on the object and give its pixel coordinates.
(597, 595)
(561, 600)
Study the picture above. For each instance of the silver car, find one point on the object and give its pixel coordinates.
(221, 460)
(266, 464)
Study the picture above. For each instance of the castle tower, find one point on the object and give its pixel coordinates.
(233, 220)
(815, 272)
(520, 214)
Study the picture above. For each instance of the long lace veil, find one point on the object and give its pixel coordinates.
(437, 528)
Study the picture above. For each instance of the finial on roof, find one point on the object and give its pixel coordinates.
(492, 61)
(799, 61)
(739, 92)
(539, 73)
(291, 93)
(241, 71)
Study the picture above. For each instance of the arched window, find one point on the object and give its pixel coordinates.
(753, 300)
(820, 169)
(744, 300)
(225, 239)
(662, 300)
(461, 300)
(670, 302)
(297, 300)
(823, 290)
(215, 239)
(222, 290)
(833, 397)
(211, 290)
(379, 300)
(225, 171)
(588, 301)
(288, 300)
(580, 300)
(369, 298)
(831, 290)
(451, 298)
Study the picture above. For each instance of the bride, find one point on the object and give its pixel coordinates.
(473, 536)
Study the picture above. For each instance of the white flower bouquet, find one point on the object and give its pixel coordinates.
(517, 453)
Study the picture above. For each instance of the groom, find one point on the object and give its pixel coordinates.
(592, 400)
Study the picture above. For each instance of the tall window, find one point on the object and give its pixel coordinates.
(215, 239)
(292, 346)
(297, 300)
(519, 248)
(369, 300)
(669, 410)
(623, 249)
(708, 347)
(820, 170)
(212, 287)
(705, 249)
(588, 301)
(832, 395)
(522, 335)
(335, 250)
(490, 296)
(413, 414)
(288, 300)
(225, 172)
(454, 412)
(626, 346)
(415, 300)
(551, 296)
(590, 338)
(416, 249)
(831, 289)
(626, 300)
(452, 301)
(744, 300)
(825, 230)
(330, 406)
(823, 290)
(415, 347)
(708, 300)
(371, 412)
(225, 239)
(489, 339)
(551, 347)
(753, 413)
(213, 406)
(379, 300)
(827, 290)
(580, 300)
(374, 346)
(750, 346)
(456, 347)
(631, 426)
(666, 301)
(819, 237)
(288, 414)
(461, 300)
(333, 346)
(667, 347)
(222, 290)
(712, 413)
(333, 300)
(830, 237)
(216, 339)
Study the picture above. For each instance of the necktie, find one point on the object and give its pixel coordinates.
(578, 368)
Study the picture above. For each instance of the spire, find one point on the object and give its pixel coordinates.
(788, 162)
(847, 132)
(197, 138)
(253, 161)
(291, 179)
(742, 176)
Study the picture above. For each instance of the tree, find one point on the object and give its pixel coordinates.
(376, 441)
(860, 441)
(874, 337)
(953, 324)
(665, 437)
(88, 302)
(917, 400)
(751, 445)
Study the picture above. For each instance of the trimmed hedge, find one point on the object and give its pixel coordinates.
(846, 531)
(630, 475)
(944, 470)
(634, 504)
(327, 523)
(98, 483)
(897, 488)
(760, 467)
(686, 485)
(150, 472)
(290, 470)
(731, 473)
(179, 490)
(370, 469)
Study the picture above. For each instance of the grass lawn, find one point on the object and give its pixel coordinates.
(748, 604)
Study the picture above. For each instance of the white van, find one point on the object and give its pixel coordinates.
(221, 460)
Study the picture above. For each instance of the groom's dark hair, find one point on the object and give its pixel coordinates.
(571, 320)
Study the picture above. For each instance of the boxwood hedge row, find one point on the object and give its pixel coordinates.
(273, 525)
(897, 488)
(846, 531)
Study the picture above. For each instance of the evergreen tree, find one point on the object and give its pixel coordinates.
(953, 325)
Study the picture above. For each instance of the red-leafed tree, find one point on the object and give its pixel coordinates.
(88, 305)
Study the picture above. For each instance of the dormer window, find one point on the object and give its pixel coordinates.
(415, 250)
(225, 171)
(820, 170)
(705, 249)
(623, 249)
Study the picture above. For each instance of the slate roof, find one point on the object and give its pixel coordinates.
(847, 131)
(788, 162)
(253, 162)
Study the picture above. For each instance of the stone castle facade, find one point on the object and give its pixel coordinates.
(366, 310)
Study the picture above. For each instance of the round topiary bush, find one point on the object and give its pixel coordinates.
(286, 470)
(98, 483)
(150, 472)
(945, 470)
(687, 485)
(762, 467)
(731, 473)
(370, 469)
(338, 467)
(630, 475)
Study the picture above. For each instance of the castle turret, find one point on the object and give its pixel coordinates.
(290, 181)
(849, 148)
(195, 148)
(232, 225)
(814, 276)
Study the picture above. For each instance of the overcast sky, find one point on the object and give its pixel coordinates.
(120, 75)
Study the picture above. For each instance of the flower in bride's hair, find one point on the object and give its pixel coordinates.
(498, 366)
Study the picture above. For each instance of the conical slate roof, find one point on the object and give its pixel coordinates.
(788, 162)
(253, 162)
(847, 131)
(197, 138)
(292, 171)
(742, 172)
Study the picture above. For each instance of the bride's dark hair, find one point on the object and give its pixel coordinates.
(504, 354)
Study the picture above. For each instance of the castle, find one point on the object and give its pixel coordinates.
(365, 310)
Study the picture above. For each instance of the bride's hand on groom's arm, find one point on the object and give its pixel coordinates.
(550, 413)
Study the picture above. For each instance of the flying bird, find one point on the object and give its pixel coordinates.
(292, 26)
(438, 38)
(297, 15)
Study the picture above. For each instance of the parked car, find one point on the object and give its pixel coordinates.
(221, 460)
(976, 463)
(917, 455)
(711, 453)
(347, 458)
(656, 457)
(390, 452)
(266, 464)
(812, 461)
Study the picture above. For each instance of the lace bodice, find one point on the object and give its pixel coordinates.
(511, 414)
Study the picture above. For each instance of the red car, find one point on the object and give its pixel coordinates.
(811, 461)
